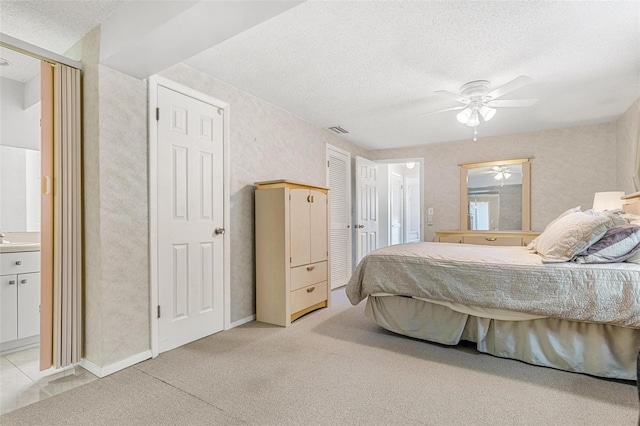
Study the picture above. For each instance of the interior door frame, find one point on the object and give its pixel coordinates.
(154, 82)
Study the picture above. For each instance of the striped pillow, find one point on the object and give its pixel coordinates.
(616, 245)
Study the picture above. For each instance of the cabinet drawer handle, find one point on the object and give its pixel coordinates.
(12, 282)
(308, 198)
(18, 262)
(23, 281)
(309, 290)
(311, 268)
(490, 239)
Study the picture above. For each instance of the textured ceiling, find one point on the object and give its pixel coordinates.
(53, 25)
(371, 67)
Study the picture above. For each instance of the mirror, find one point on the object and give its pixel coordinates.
(495, 196)
(19, 189)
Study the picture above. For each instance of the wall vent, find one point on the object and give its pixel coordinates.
(338, 129)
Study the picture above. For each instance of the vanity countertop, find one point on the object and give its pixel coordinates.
(19, 247)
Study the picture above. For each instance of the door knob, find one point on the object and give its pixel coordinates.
(219, 231)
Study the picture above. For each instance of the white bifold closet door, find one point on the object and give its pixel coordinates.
(339, 183)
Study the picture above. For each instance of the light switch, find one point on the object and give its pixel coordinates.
(430, 211)
(429, 220)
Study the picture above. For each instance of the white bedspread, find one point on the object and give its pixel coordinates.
(510, 278)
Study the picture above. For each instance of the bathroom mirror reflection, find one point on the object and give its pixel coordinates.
(495, 196)
(19, 189)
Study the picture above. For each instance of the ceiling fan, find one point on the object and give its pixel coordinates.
(500, 172)
(478, 100)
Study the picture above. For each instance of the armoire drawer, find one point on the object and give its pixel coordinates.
(308, 296)
(303, 276)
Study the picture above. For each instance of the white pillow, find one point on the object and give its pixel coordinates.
(532, 244)
(615, 217)
(570, 235)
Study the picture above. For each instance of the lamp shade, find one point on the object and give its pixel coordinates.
(474, 120)
(463, 116)
(607, 201)
(487, 112)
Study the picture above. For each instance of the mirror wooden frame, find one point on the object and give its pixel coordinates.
(636, 171)
(526, 190)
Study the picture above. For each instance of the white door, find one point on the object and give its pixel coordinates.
(412, 210)
(190, 208)
(339, 183)
(366, 207)
(397, 215)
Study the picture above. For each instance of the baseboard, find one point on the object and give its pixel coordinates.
(117, 366)
(242, 321)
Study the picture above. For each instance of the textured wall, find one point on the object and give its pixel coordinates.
(266, 143)
(124, 215)
(115, 209)
(628, 140)
(568, 166)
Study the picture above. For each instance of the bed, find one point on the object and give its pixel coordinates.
(576, 317)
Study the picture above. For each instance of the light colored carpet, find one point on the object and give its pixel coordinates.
(334, 367)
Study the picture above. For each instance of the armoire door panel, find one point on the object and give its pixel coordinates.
(300, 223)
(318, 226)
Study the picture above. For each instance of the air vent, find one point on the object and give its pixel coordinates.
(337, 129)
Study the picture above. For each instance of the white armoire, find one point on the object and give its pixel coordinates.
(292, 247)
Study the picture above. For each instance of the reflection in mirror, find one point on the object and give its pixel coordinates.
(19, 189)
(495, 196)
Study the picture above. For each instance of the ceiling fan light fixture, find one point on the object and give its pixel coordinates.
(487, 112)
(463, 116)
(507, 175)
(474, 119)
(498, 176)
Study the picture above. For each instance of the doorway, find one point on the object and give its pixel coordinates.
(400, 198)
(389, 204)
(20, 201)
(189, 157)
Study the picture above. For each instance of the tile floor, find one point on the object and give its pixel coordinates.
(21, 382)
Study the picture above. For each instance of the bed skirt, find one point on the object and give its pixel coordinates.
(598, 349)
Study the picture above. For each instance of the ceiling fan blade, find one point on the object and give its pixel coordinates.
(442, 110)
(502, 103)
(454, 96)
(510, 86)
